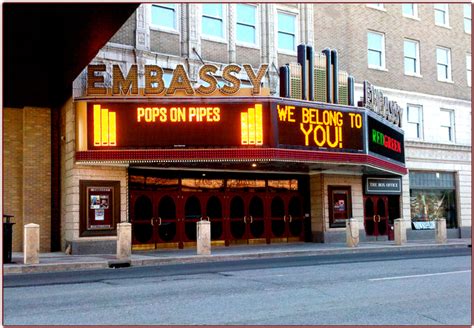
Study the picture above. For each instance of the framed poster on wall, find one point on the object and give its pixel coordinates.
(340, 205)
(99, 207)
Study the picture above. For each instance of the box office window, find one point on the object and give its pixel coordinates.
(432, 196)
(340, 205)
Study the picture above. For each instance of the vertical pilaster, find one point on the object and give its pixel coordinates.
(142, 34)
(269, 50)
(231, 21)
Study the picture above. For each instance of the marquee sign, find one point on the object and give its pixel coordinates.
(319, 128)
(159, 124)
(180, 83)
(384, 140)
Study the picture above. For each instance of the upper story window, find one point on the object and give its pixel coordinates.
(164, 16)
(447, 124)
(286, 31)
(410, 10)
(443, 63)
(213, 20)
(414, 128)
(441, 14)
(376, 50)
(246, 24)
(468, 69)
(378, 6)
(467, 18)
(411, 52)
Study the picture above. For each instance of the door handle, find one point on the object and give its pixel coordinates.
(284, 218)
(160, 221)
(245, 219)
(291, 218)
(251, 219)
(378, 217)
(151, 222)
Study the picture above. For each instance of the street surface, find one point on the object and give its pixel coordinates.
(431, 287)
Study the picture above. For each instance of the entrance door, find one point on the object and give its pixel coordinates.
(215, 214)
(237, 223)
(295, 219)
(256, 220)
(141, 205)
(286, 218)
(376, 215)
(192, 214)
(166, 225)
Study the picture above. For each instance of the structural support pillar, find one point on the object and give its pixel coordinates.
(31, 243)
(203, 238)
(400, 232)
(441, 237)
(352, 233)
(124, 241)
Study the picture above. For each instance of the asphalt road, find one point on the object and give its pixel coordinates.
(430, 287)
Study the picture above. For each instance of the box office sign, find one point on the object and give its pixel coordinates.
(383, 186)
(99, 207)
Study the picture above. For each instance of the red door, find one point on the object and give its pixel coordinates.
(286, 218)
(214, 212)
(166, 225)
(376, 215)
(141, 217)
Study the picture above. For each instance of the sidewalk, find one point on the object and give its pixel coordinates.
(51, 262)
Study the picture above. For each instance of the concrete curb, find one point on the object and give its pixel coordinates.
(105, 263)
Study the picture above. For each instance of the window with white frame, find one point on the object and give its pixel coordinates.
(467, 18)
(441, 14)
(246, 24)
(376, 50)
(468, 69)
(286, 31)
(410, 10)
(164, 16)
(443, 63)
(411, 53)
(213, 20)
(447, 124)
(414, 127)
(378, 6)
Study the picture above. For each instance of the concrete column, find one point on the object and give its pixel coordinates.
(124, 241)
(352, 233)
(400, 232)
(31, 243)
(441, 237)
(203, 238)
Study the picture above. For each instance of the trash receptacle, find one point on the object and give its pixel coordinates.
(7, 238)
(391, 232)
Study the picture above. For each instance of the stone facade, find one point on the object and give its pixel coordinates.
(27, 171)
(72, 173)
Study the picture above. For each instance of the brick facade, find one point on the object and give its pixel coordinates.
(27, 167)
(164, 42)
(344, 27)
(126, 34)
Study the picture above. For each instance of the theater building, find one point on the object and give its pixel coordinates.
(244, 116)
